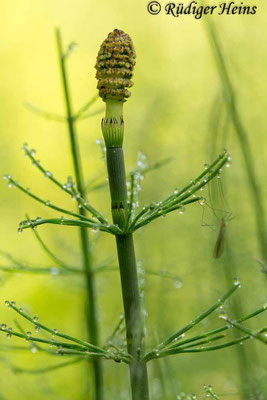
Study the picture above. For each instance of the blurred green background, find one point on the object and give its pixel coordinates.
(176, 96)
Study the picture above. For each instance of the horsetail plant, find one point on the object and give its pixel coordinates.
(115, 64)
(92, 313)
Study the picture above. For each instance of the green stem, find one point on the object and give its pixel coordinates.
(84, 237)
(230, 100)
(113, 135)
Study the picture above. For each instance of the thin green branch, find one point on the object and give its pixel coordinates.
(92, 114)
(210, 392)
(185, 346)
(244, 329)
(78, 347)
(118, 329)
(22, 267)
(149, 168)
(85, 107)
(180, 333)
(37, 371)
(50, 254)
(67, 188)
(113, 229)
(180, 198)
(47, 203)
(218, 330)
(54, 332)
(202, 316)
(40, 270)
(45, 114)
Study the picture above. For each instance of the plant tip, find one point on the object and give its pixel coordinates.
(115, 64)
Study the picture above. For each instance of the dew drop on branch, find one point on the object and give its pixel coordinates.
(54, 271)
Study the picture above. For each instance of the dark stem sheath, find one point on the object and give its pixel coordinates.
(126, 252)
(84, 237)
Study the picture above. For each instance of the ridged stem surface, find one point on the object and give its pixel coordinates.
(127, 260)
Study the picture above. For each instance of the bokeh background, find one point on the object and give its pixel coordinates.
(176, 110)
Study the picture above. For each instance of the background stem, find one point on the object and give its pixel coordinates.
(231, 105)
(92, 322)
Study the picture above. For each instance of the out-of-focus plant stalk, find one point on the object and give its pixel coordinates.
(114, 66)
(93, 330)
(247, 360)
(230, 101)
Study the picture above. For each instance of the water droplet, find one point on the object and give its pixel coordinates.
(8, 335)
(37, 328)
(34, 349)
(48, 174)
(94, 228)
(13, 303)
(20, 230)
(177, 284)
(236, 282)
(3, 326)
(227, 166)
(35, 319)
(47, 203)
(223, 315)
(38, 219)
(56, 331)
(7, 303)
(206, 166)
(72, 46)
(60, 351)
(54, 271)
(28, 334)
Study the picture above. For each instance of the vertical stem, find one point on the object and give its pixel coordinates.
(230, 101)
(113, 133)
(250, 386)
(84, 237)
